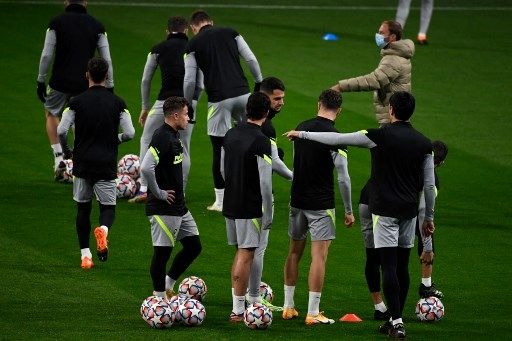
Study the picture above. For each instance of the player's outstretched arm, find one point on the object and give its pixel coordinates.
(358, 139)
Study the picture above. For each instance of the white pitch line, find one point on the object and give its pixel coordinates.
(264, 7)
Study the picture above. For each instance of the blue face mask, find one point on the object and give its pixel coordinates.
(379, 40)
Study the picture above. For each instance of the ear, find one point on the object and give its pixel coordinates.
(87, 75)
(167, 31)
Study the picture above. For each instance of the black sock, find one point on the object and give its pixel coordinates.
(218, 180)
(107, 215)
(191, 249)
(161, 255)
(372, 269)
(390, 284)
(83, 223)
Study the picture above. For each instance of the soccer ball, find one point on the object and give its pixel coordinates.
(157, 312)
(257, 316)
(174, 303)
(67, 175)
(193, 287)
(429, 309)
(191, 312)
(125, 186)
(266, 292)
(129, 164)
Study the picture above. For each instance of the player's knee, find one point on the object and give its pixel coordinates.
(193, 245)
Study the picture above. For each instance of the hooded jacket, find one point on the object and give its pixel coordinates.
(393, 74)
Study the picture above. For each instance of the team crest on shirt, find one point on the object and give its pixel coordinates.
(178, 159)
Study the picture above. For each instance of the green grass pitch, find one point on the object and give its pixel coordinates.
(462, 82)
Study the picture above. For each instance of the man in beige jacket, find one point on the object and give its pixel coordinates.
(393, 73)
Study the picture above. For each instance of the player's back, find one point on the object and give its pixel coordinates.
(216, 53)
(243, 144)
(97, 119)
(169, 55)
(397, 169)
(77, 35)
(313, 180)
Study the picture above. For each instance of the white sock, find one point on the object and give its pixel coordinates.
(381, 307)
(159, 294)
(143, 188)
(238, 304)
(289, 291)
(104, 228)
(86, 253)
(219, 196)
(169, 283)
(314, 303)
(397, 321)
(57, 153)
(427, 281)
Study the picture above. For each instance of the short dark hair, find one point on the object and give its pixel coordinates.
(258, 106)
(97, 68)
(330, 99)
(177, 24)
(403, 104)
(440, 151)
(174, 104)
(269, 84)
(198, 17)
(394, 28)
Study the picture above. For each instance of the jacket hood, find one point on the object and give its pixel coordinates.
(403, 48)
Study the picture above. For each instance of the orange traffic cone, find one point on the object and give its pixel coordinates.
(350, 318)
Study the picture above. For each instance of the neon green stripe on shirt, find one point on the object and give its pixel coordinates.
(267, 158)
(154, 152)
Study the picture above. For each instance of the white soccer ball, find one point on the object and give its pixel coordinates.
(430, 309)
(67, 175)
(193, 287)
(174, 303)
(265, 292)
(191, 312)
(129, 164)
(257, 316)
(157, 312)
(125, 186)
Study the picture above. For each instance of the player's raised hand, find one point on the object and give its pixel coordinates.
(143, 116)
(349, 219)
(292, 135)
(428, 228)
